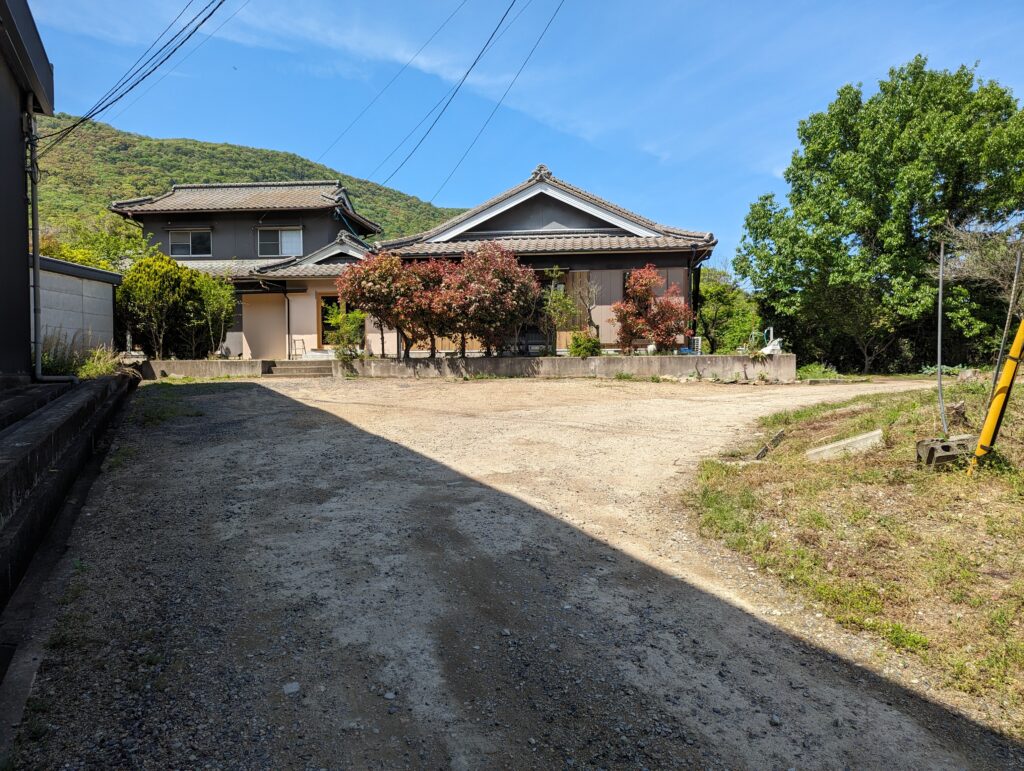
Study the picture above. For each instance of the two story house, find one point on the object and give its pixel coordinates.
(282, 244)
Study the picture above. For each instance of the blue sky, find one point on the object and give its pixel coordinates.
(683, 111)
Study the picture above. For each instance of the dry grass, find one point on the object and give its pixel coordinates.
(929, 561)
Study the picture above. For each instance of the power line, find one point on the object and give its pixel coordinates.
(455, 92)
(390, 82)
(440, 101)
(180, 62)
(131, 70)
(189, 30)
(519, 72)
(135, 69)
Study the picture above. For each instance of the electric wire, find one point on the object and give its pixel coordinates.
(388, 85)
(131, 70)
(455, 91)
(498, 104)
(193, 26)
(180, 62)
(426, 116)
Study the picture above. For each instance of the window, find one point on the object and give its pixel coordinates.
(280, 242)
(191, 243)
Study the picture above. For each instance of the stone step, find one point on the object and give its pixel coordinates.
(300, 363)
(20, 402)
(298, 374)
(40, 456)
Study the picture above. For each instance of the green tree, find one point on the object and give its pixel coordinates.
(174, 310)
(149, 301)
(103, 241)
(347, 331)
(727, 314)
(874, 182)
(556, 309)
(217, 310)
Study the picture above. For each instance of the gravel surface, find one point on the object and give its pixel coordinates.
(485, 574)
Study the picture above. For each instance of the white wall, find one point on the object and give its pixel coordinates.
(79, 308)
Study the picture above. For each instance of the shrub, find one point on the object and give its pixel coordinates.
(584, 344)
(374, 285)
(173, 310)
(816, 371)
(557, 309)
(347, 331)
(642, 314)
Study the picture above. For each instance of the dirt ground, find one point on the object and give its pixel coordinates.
(484, 574)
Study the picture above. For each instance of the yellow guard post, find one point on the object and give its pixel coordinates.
(997, 408)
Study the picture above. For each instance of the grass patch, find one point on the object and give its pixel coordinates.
(119, 457)
(624, 376)
(926, 561)
(816, 371)
(159, 402)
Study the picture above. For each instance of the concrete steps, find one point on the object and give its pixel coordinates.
(301, 368)
(40, 456)
(20, 402)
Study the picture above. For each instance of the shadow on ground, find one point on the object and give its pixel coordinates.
(263, 584)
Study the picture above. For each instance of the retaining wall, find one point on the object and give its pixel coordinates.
(157, 368)
(778, 367)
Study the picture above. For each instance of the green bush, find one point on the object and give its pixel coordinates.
(347, 331)
(584, 344)
(172, 310)
(816, 371)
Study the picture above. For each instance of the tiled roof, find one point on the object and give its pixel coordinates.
(559, 243)
(306, 271)
(230, 268)
(543, 174)
(247, 196)
(256, 269)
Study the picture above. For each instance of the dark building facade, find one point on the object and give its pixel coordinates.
(26, 82)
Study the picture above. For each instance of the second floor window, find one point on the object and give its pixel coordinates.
(280, 242)
(191, 243)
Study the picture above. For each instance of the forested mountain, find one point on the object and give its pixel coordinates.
(99, 163)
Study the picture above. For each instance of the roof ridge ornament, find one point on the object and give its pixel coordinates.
(542, 172)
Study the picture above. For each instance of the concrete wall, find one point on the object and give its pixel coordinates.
(778, 367)
(157, 368)
(79, 308)
(15, 350)
(235, 234)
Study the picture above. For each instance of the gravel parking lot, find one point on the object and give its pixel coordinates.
(380, 574)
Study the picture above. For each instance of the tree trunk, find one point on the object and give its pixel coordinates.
(433, 346)
(462, 345)
(380, 326)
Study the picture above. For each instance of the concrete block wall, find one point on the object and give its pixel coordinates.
(79, 308)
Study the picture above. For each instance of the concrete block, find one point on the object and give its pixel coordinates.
(855, 445)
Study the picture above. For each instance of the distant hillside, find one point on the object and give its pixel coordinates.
(99, 164)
